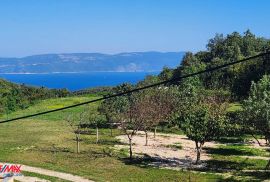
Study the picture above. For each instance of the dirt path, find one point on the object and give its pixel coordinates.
(46, 172)
(29, 179)
(171, 150)
(255, 144)
(255, 157)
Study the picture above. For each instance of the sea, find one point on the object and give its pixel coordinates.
(77, 81)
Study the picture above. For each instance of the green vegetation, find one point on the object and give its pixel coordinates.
(14, 97)
(208, 107)
(234, 107)
(49, 144)
(255, 114)
(174, 147)
(53, 103)
(224, 49)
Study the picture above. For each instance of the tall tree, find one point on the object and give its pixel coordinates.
(203, 118)
(256, 109)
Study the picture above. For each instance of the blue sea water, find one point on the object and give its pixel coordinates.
(77, 81)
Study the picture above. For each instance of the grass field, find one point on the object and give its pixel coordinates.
(51, 104)
(47, 142)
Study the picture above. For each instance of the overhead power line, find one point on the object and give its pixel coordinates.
(141, 88)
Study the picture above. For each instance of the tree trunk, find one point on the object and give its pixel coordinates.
(78, 143)
(111, 127)
(97, 136)
(130, 148)
(267, 165)
(155, 132)
(256, 139)
(146, 138)
(198, 149)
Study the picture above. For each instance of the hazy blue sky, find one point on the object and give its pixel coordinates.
(110, 26)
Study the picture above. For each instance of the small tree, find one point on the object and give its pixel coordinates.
(143, 111)
(131, 124)
(204, 121)
(153, 107)
(122, 110)
(75, 122)
(95, 119)
(108, 110)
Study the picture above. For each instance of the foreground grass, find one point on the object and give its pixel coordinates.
(240, 159)
(49, 145)
(48, 142)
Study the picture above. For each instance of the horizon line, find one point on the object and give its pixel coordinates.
(111, 54)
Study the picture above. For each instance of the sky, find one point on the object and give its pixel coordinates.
(30, 27)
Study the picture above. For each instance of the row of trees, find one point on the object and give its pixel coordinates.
(201, 114)
(199, 105)
(141, 111)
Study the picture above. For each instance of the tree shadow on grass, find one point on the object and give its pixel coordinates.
(106, 152)
(104, 142)
(236, 169)
(55, 149)
(228, 151)
(216, 165)
(210, 166)
(231, 140)
(256, 175)
(159, 162)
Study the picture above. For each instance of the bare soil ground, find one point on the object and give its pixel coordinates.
(255, 144)
(165, 148)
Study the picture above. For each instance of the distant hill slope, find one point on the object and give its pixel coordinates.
(89, 62)
(14, 96)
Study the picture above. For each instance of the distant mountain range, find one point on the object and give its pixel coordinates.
(91, 62)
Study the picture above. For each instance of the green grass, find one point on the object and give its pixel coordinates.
(170, 130)
(48, 142)
(174, 147)
(51, 104)
(236, 158)
(238, 150)
(234, 107)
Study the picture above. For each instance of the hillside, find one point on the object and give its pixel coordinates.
(14, 96)
(91, 62)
